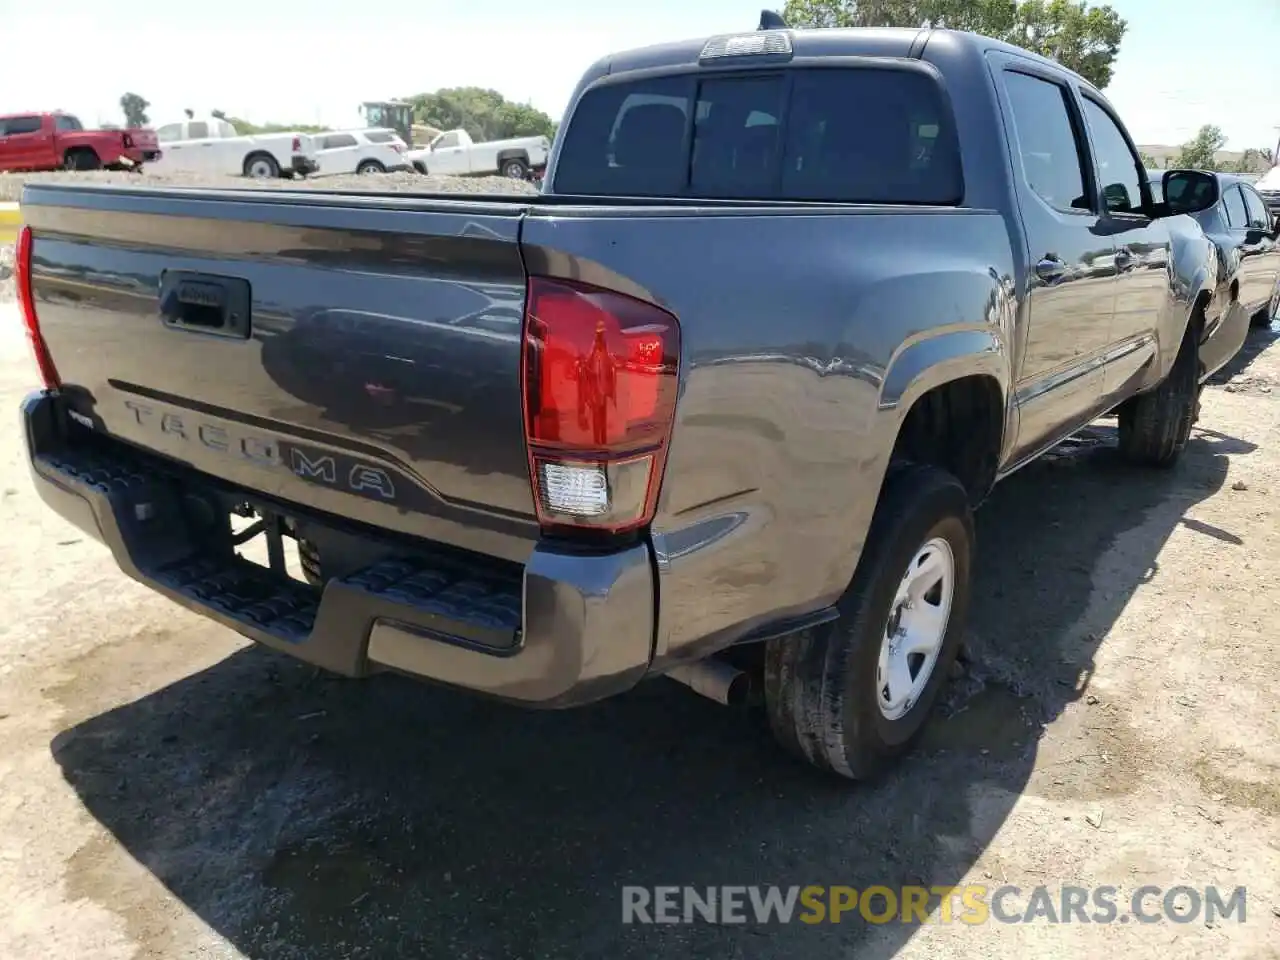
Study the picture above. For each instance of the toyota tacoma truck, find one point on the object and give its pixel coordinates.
(718, 404)
(55, 141)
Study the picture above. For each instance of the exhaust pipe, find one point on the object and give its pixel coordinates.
(715, 680)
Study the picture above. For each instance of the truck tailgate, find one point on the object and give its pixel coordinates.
(358, 355)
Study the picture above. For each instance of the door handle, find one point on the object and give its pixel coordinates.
(205, 303)
(1050, 269)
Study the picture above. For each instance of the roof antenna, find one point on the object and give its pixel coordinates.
(771, 20)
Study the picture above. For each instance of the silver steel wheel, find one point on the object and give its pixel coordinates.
(260, 169)
(917, 625)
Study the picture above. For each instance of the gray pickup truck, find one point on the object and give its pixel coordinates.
(717, 404)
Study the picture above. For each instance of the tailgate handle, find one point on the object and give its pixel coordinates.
(204, 303)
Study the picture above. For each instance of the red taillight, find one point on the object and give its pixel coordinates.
(600, 376)
(297, 144)
(27, 304)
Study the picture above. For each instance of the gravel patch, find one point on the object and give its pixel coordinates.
(11, 183)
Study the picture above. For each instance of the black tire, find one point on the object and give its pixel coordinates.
(261, 166)
(420, 167)
(515, 168)
(821, 688)
(82, 159)
(1155, 426)
(370, 166)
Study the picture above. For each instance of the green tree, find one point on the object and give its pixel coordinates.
(1081, 37)
(1148, 160)
(134, 108)
(484, 114)
(1198, 153)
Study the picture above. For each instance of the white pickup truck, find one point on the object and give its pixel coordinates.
(212, 145)
(455, 153)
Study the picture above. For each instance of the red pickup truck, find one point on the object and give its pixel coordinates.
(50, 141)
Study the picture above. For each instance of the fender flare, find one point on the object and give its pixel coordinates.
(940, 359)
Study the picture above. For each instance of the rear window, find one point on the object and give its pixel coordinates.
(869, 135)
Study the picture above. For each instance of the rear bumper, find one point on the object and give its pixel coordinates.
(304, 165)
(567, 629)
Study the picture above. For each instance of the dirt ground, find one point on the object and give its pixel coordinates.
(168, 791)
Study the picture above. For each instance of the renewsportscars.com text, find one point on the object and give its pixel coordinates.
(969, 904)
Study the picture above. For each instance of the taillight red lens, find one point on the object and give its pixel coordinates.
(27, 304)
(297, 144)
(600, 383)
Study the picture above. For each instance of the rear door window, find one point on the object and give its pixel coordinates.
(1233, 203)
(1046, 141)
(870, 135)
(23, 125)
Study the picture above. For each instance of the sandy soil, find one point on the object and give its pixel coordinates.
(168, 791)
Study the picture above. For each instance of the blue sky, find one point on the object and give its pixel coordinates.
(315, 60)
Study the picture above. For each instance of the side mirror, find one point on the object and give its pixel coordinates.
(1189, 191)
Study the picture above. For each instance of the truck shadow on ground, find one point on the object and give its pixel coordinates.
(311, 818)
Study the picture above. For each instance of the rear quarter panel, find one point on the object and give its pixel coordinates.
(806, 334)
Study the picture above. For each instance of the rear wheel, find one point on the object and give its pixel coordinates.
(81, 159)
(515, 168)
(370, 166)
(853, 695)
(1155, 426)
(261, 166)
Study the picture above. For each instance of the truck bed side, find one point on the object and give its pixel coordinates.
(784, 428)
